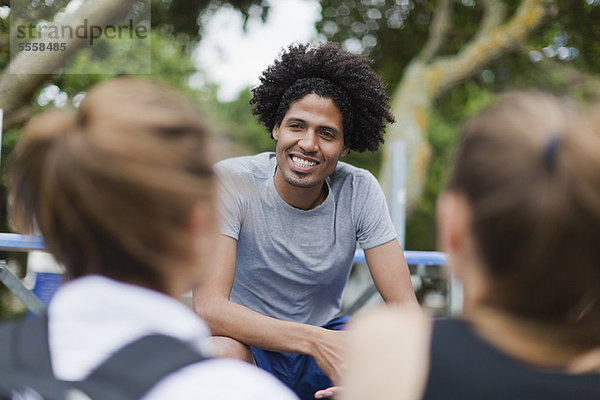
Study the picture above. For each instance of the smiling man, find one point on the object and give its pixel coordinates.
(291, 220)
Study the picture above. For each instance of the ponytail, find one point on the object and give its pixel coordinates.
(28, 164)
(529, 167)
(112, 187)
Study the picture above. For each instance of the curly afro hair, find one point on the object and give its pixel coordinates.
(328, 71)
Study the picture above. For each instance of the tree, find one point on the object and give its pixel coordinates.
(177, 18)
(24, 94)
(182, 16)
(428, 75)
(444, 60)
(16, 90)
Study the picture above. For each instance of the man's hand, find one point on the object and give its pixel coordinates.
(328, 393)
(328, 347)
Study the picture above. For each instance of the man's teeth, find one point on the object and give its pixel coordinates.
(303, 163)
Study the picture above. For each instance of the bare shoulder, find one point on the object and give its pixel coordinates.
(388, 354)
(393, 321)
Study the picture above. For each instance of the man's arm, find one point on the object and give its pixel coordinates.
(226, 318)
(390, 273)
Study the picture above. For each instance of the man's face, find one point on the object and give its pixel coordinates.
(310, 140)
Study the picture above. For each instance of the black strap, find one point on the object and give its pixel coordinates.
(29, 348)
(132, 371)
(25, 358)
(126, 375)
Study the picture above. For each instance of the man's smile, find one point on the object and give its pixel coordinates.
(303, 163)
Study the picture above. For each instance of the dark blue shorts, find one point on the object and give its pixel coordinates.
(299, 372)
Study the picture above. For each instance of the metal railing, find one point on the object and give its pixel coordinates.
(16, 242)
(420, 259)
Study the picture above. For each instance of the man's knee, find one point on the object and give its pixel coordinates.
(227, 347)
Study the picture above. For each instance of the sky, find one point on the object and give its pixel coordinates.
(234, 59)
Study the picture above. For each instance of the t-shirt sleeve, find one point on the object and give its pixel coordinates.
(230, 203)
(373, 222)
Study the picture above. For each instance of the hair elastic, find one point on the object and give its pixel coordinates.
(550, 151)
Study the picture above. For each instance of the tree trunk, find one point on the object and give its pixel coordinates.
(426, 77)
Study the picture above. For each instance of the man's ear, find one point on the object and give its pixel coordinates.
(275, 132)
(345, 151)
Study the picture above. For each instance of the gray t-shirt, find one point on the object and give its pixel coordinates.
(293, 264)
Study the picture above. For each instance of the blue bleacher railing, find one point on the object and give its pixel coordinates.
(17, 242)
(413, 257)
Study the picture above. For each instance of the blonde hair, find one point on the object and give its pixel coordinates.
(529, 167)
(111, 187)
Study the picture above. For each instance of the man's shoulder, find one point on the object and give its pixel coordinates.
(258, 165)
(351, 182)
(344, 172)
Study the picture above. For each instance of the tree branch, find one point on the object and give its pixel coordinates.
(529, 16)
(494, 12)
(423, 82)
(490, 45)
(438, 31)
(18, 117)
(20, 80)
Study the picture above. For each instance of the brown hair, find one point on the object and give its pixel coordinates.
(112, 186)
(529, 167)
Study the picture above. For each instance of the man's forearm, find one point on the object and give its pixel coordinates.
(226, 318)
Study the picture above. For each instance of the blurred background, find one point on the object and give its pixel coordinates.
(442, 60)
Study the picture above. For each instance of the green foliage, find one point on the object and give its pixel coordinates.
(168, 58)
(576, 26)
(393, 33)
(420, 227)
(170, 63)
(235, 121)
(181, 16)
(370, 160)
(443, 137)
(4, 42)
(175, 32)
(9, 139)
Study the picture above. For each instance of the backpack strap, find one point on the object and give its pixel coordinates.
(25, 359)
(134, 369)
(25, 344)
(126, 375)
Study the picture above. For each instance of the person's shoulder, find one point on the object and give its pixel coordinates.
(389, 345)
(345, 172)
(343, 167)
(392, 320)
(257, 165)
(221, 378)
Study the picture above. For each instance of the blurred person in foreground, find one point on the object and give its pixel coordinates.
(520, 222)
(122, 191)
(292, 219)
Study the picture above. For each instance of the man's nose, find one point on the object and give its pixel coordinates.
(309, 142)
